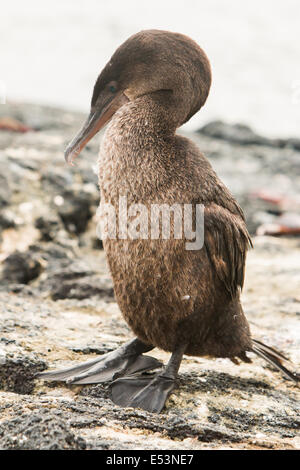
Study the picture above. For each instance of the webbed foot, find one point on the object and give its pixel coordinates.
(128, 359)
(149, 393)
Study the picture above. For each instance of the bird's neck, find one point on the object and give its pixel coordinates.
(147, 117)
(138, 148)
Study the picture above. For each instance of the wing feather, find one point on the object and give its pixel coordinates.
(227, 241)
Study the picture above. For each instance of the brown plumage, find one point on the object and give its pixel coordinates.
(182, 301)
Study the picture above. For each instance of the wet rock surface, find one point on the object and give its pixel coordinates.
(57, 305)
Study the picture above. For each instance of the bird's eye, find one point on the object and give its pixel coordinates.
(112, 88)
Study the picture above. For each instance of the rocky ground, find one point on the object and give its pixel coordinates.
(57, 304)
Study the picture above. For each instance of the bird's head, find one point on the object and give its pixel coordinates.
(153, 63)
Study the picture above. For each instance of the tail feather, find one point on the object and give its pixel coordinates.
(275, 358)
(271, 350)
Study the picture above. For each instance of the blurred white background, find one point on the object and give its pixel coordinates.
(51, 52)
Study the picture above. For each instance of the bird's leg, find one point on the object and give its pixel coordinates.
(148, 392)
(127, 359)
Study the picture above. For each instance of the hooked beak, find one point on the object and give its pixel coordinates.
(97, 119)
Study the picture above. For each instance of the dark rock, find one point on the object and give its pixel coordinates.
(60, 271)
(20, 288)
(245, 421)
(6, 220)
(214, 418)
(49, 227)
(237, 133)
(74, 270)
(43, 431)
(244, 135)
(21, 267)
(57, 179)
(97, 391)
(76, 210)
(7, 341)
(17, 374)
(83, 288)
(5, 192)
(54, 251)
(292, 143)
